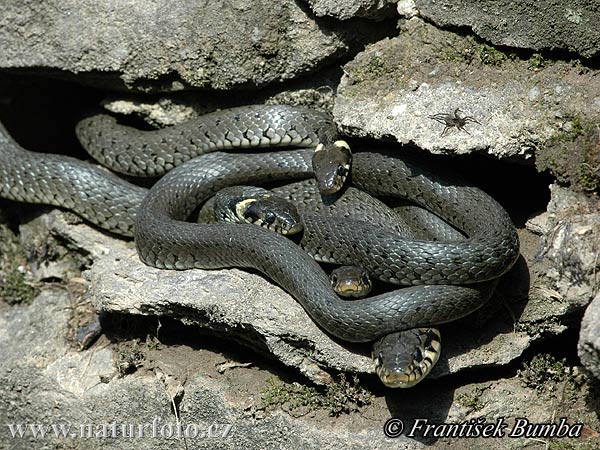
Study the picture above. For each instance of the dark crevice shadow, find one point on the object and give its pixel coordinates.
(430, 400)
(497, 316)
(592, 398)
(519, 188)
(41, 114)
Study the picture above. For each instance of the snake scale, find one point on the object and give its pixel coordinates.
(164, 240)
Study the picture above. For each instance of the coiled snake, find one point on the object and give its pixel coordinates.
(446, 280)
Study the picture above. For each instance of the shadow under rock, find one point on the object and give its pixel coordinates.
(429, 400)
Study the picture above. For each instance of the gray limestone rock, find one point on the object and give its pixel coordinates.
(170, 46)
(568, 255)
(175, 108)
(344, 9)
(588, 347)
(44, 382)
(535, 24)
(390, 89)
(388, 92)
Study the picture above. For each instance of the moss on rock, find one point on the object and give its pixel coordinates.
(342, 397)
(573, 155)
(14, 287)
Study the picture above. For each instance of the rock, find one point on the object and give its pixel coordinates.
(521, 105)
(49, 258)
(344, 9)
(15, 277)
(407, 8)
(390, 89)
(572, 156)
(568, 252)
(43, 381)
(174, 108)
(475, 342)
(588, 347)
(539, 25)
(171, 46)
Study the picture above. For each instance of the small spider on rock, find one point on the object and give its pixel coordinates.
(453, 120)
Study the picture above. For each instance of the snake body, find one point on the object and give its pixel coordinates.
(93, 193)
(401, 359)
(131, 151)
(164, 240)
(490, 250)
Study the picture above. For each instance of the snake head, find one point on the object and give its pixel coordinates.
(351, 281)
(404, 358)
(273, 213)
(249, 204)
(331, 166)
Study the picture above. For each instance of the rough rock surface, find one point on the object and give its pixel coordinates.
(569, 252)
(174, 108)
(44, 381)
(63, 386)
(389, 90)
(344, 9)
(589, 338)
(520, 104)
(163, 45)
(540, 25)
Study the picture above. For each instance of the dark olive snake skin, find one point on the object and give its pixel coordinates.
(90, 191)
(188, 245)
(164, 240)
(153, 153)
(390, 256)
(492, 246)
(406, 219)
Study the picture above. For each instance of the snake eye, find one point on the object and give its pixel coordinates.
(334, 278)
(417, 355)
(341, 171)
(270, 217)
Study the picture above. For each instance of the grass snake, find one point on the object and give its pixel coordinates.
(401, 359)
(165, 240)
